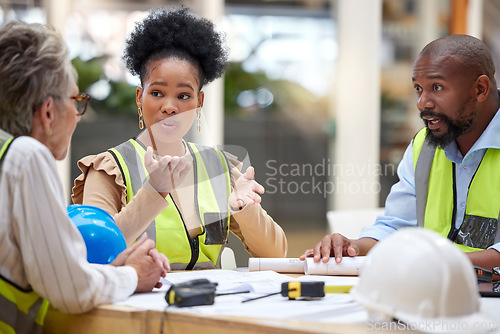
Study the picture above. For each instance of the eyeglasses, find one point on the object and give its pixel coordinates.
(81, 101)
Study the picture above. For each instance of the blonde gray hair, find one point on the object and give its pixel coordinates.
(34, 65)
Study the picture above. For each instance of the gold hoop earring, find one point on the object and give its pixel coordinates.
(198, 120)
(141, 119)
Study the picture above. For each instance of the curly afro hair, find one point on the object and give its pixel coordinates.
(178, 34)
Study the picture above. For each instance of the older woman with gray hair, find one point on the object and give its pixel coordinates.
(42, 254)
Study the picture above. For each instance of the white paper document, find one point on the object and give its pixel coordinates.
(332, 308)
(231, 280)
(257, 283)
(349, 266)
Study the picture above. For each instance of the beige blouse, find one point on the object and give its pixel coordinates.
(101, 184)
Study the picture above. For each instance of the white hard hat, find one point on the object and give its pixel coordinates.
(422, 279)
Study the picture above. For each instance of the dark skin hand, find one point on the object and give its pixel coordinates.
(337, 245)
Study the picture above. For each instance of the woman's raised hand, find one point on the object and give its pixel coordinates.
(167, 172)
(246, 191)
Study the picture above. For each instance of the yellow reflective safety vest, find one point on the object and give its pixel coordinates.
(21, 311)
(435, 188)
(212, 188)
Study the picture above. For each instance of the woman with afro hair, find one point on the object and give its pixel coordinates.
(186, 196)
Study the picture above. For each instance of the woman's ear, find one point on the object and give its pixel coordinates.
(138, 97)
(48, 114)
(43, 120)
(201, 98)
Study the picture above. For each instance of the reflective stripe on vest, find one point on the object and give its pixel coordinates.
(21, 311)
(436, 196)
(212, 188)
(4, 145)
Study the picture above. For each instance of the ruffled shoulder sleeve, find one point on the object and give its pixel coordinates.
(103, 163)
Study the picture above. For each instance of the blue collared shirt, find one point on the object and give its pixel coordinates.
(400, 206)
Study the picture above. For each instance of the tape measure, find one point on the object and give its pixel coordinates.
(295, 290)
(191, 293)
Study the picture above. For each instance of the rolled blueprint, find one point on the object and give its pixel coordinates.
(350, 266)
(280, 265)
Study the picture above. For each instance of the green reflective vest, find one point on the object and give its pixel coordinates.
(21, 311)
(435, 190)
(211, 187)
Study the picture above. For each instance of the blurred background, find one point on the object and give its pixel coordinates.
(318, 92)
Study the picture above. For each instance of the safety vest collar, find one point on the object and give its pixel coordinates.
(4, 147)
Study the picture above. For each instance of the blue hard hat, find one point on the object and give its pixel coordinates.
(103, 238)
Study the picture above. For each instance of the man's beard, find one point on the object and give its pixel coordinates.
(454, 128)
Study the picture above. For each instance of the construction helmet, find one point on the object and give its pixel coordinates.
(424, 281)
(103, 238)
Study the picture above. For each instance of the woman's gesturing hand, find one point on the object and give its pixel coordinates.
(246, 191)
(166, 172)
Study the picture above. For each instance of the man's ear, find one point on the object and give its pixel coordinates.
(482, 88)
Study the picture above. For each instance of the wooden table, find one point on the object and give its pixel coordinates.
(111, 319)
(118, 319)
